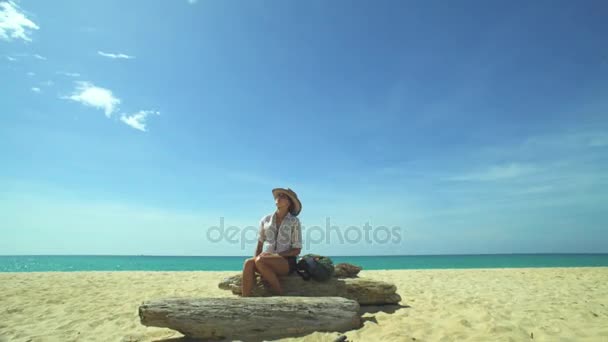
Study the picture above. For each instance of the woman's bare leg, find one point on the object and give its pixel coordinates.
(270, 267)
(248, 277)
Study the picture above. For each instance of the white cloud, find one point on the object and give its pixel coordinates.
(11, 59)
(138, 120)
(115, 55)
(35, 90)
(13, 23)
(69, 74)
(89, 95)
(31, 74)
(42, 58)
(498, 172)
(192, 2)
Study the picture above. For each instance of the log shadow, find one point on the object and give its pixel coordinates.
(189, 339)
(390, 308)
(371, 309)
(369, 319)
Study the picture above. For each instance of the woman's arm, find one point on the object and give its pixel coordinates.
(259, 248)
(261, 239)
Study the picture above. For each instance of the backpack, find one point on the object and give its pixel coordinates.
(317, 267)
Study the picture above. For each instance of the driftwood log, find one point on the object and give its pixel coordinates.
(364, 291)
(346, 270)
(250, 318)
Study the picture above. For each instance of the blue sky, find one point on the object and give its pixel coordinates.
(473, 127)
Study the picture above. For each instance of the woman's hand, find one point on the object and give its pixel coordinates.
(267, 254)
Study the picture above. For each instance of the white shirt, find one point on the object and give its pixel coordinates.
(290, 233)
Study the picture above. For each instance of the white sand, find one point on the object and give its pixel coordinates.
(553, 304)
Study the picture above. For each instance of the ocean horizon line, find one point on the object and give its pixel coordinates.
(218, 263)
(352, 255)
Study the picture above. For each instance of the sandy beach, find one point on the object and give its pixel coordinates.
(540, 304)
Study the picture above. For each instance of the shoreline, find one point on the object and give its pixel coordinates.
(462, 304)
(363, 270)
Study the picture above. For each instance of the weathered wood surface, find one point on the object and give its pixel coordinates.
(346, 270)
(364, 291)
(251, 318)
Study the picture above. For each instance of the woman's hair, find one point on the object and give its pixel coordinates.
(290, 203)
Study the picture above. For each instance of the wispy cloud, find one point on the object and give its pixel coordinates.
(192, 2)
(13, 22)
(598, 140)
(31, 74)
(115, 55)
(138, 120)
(533, 190)
(47, 83)
(497, 172)
(90, 95)
(11, 59)
(69, 74)
(35, 89)
(42, 58)
(581, 139)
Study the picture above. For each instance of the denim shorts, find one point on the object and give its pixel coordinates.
(291, 260)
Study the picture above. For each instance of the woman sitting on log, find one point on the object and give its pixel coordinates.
(280, 237)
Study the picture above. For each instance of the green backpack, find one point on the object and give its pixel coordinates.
(317, 267)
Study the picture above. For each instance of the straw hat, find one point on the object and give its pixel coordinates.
(296, 205)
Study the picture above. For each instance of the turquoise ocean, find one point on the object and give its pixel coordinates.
(50, 263)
